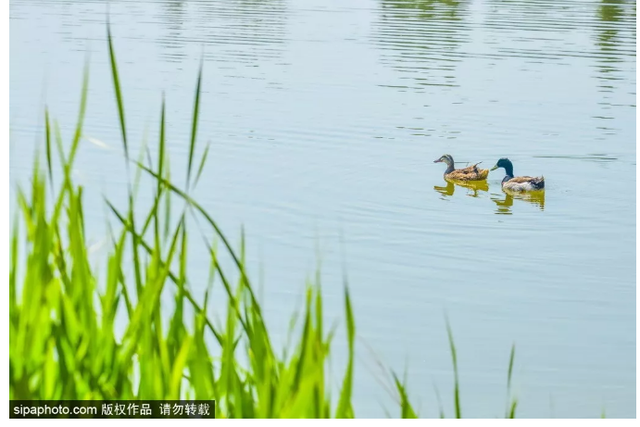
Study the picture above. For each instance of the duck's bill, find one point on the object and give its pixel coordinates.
(494, 168)
(437, 161)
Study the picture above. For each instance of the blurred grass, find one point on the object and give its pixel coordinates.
(63, 340)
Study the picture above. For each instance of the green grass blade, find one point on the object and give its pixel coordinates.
(60, 148)
(47, 128)
(161, 149)
(194, 122)
(440, 406)
(512, 411)
(202, 163)
(405, 406)
(116, 86)
(344, 404)
(456, 392)
(81, 114)
(510, 370)
(511, 408)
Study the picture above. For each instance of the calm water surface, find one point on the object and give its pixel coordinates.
(325, 118)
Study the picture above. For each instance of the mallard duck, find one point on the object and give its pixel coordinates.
(518, 183)
(471, 173)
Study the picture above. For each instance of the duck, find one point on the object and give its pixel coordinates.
(518, 183)
(471, 173)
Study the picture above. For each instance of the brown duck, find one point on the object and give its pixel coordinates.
(471, 173)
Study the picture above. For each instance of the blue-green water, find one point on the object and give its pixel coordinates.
(325, 118)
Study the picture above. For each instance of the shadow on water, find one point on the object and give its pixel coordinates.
(474, 188)
(504, 201)
(420, 38)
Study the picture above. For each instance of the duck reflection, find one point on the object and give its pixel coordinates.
(504, 201)
(474, 187)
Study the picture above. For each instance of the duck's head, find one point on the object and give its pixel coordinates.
(503, 163)
(446, 158)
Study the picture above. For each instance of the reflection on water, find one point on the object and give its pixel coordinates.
(237, 31)
(504, 201)
(592, 157)
(173, 17)
(446, 191)
(474, 187)
(553, 32)
(615, 44)
(253, 29)
(614, 41)
(420, 38)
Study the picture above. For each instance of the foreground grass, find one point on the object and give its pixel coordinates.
(64, 343)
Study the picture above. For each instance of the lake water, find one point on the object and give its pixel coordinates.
(325, 117)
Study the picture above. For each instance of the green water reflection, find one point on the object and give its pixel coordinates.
(504, 201)
(474, 189)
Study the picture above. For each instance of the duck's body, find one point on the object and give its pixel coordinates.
(523, 183)
(471, 173)
(518, 183)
